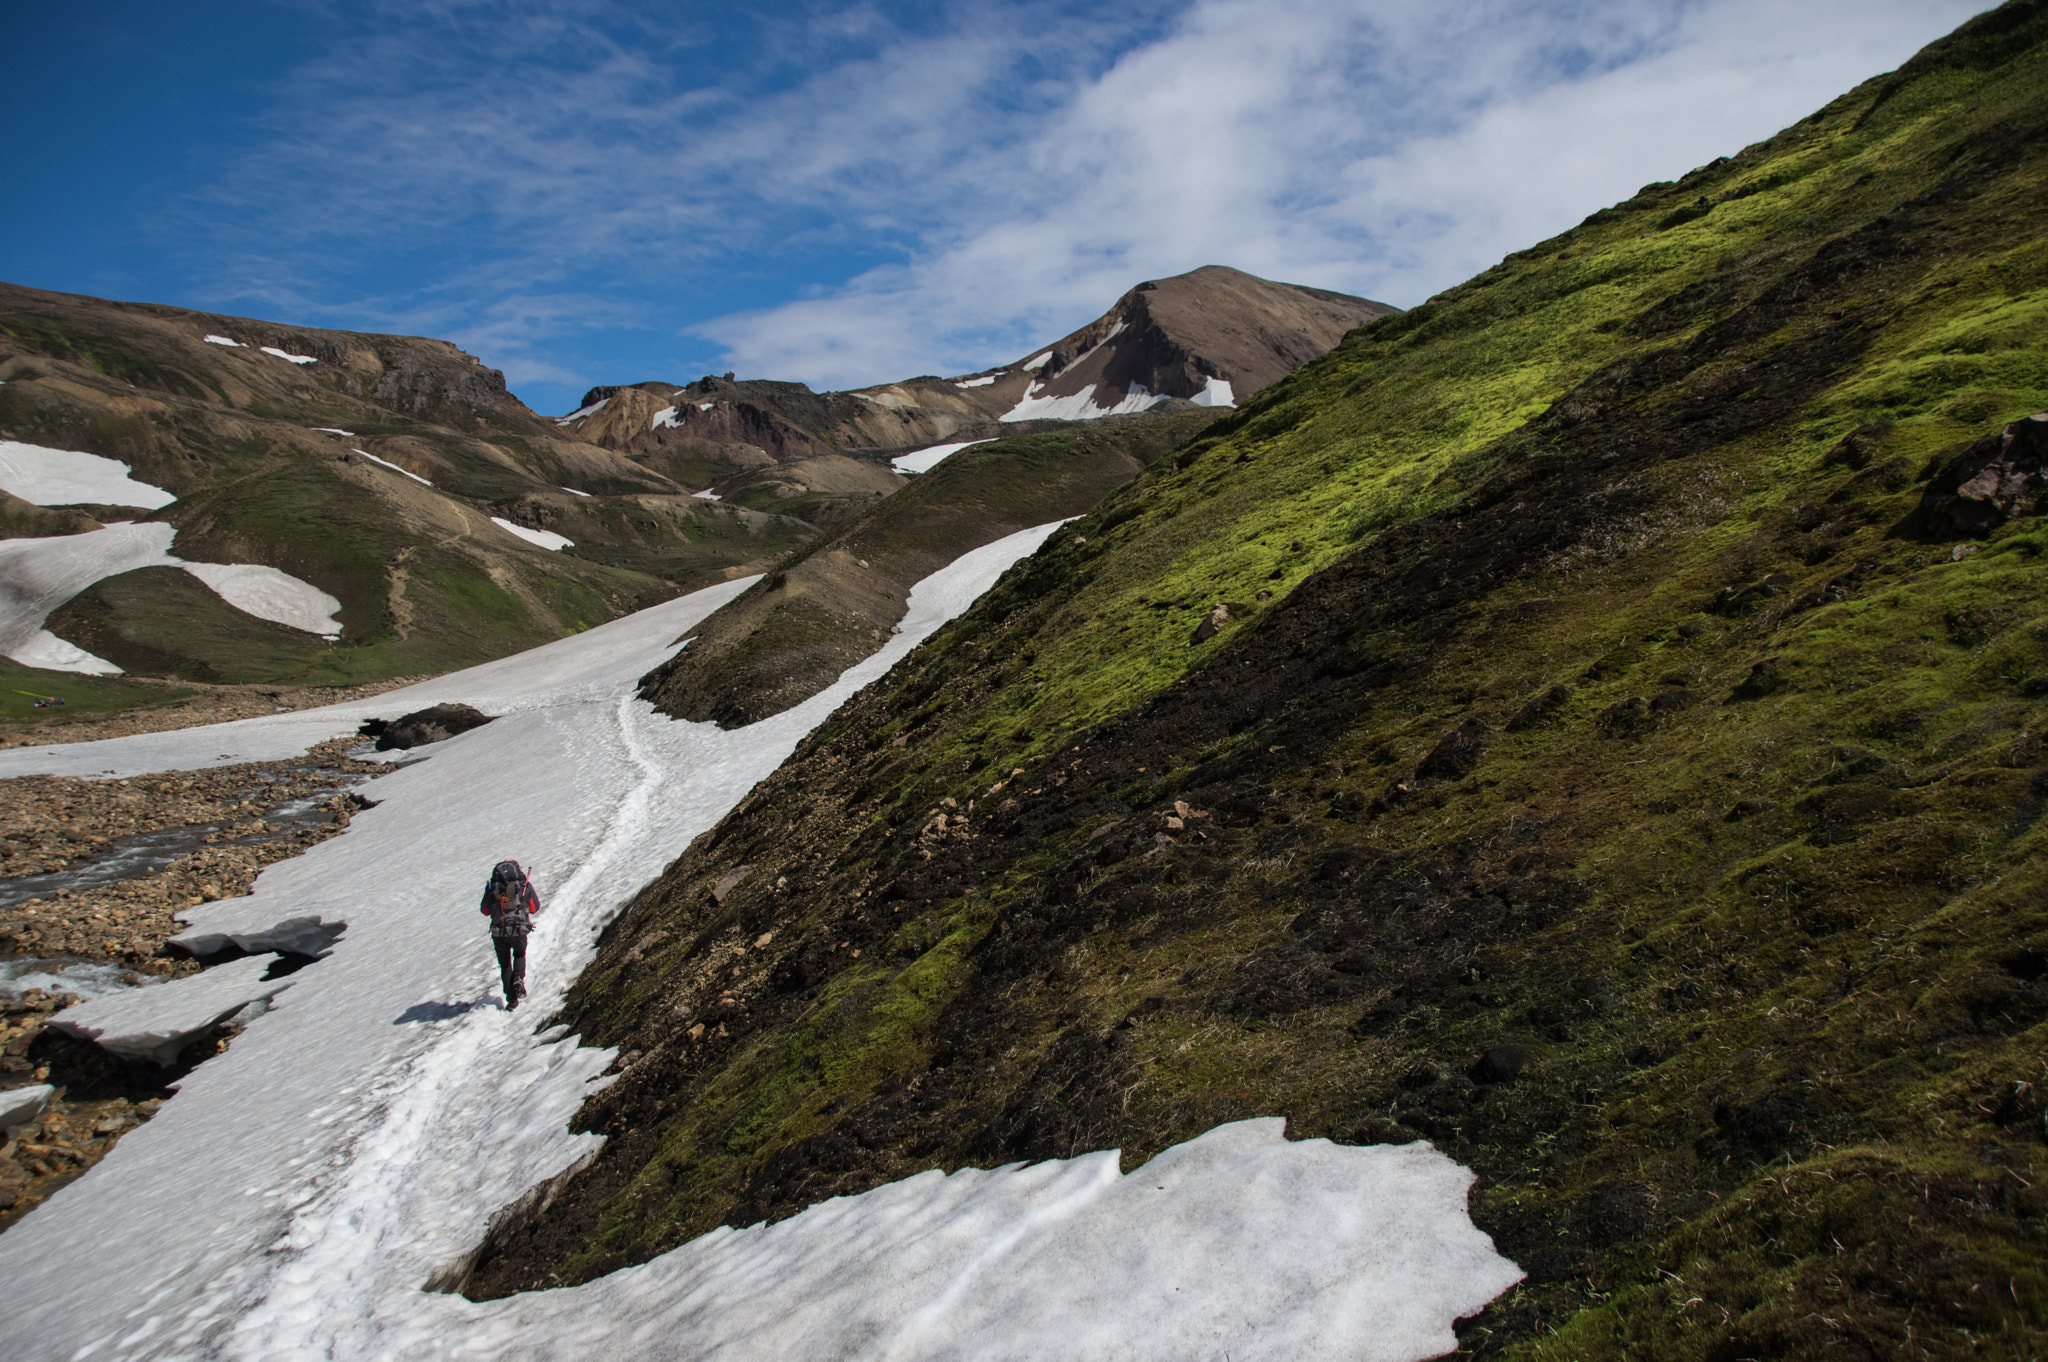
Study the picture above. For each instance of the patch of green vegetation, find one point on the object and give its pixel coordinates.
(21, 687)
(163, 621)
(102, 353)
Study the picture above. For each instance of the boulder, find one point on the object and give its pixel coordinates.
(1992, 482)
(423, 726)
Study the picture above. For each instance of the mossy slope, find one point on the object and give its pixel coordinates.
(1608, 769)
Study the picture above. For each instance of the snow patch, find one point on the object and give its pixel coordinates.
(286, 354)
(38, 575)
(1235, 1242)
(582, 412)
(158, 1020)
(574, 493)
(394, 467)
(19, 1106)
(706, 406)
(44, 649)
(1215, 393)
(223, 340)
(924, 460)
(706, 495)
(66, 477)
(331, 430)
(1079, 406)
(270, 594)
(665, 417)
(1038, 362)
(547, 539)
(975, 382)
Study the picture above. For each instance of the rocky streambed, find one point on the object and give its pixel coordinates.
(92, 876)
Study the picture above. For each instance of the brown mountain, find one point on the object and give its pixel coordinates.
(1210, 337)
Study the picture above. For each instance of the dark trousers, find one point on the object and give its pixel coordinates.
(511, 963)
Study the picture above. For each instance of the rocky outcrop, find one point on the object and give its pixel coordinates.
(1996, 480)
(435, 724)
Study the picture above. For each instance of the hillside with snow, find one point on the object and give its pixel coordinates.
(381, 1108)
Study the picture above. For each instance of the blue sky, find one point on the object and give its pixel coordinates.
(847, 193)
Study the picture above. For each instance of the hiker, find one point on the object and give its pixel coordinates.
(510, 904)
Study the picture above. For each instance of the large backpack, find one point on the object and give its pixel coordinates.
(508, 897)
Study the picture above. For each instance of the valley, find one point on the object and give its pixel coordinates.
(1512, 827)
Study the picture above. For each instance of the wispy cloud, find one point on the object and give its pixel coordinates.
(848, 193)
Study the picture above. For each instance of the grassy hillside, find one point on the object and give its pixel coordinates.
(1613, 764)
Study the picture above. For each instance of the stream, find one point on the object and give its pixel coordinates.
(136, 855)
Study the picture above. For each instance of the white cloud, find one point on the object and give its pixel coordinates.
(1389, 152)
(909, 193)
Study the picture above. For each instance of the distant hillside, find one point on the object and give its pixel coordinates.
(1049, 436)
(368, 466)
(373, 468)
(835, 601)
(1591, 722)
(1206, 338)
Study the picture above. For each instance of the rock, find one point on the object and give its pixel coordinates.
(1457, 753)
(1499, 1064)
(1226, 612)
(423, 726)
(1765, 677)
(19, 1106)
(1539, 709)
(1623, 718)
(1992, 482)
(729, 881)
(160, 1020)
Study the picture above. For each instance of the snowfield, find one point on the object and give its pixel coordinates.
(272, 594)
(930, 457)
(65, 477)
(582, 412)
(355, 1140)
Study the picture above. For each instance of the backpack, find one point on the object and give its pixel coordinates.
(507, 898)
